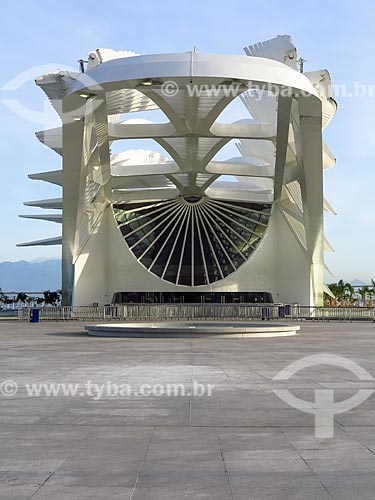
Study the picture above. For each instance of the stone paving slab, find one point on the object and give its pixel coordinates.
(241, 443)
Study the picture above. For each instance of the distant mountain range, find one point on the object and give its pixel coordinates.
(41, 275)
(357, 283)
(23, 276)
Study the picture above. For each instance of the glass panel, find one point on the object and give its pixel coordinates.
(193, 240)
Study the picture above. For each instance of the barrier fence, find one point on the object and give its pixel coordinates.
(210, 312)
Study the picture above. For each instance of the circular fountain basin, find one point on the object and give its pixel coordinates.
(191, 329)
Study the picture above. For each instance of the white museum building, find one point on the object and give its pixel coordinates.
(190, 177)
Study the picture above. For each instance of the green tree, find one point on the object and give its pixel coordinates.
(6, 300)
(344, 293)
(364, 294)
(51, 298)
(340, 292)
(22, 297)
(349, 293)
(371, 293)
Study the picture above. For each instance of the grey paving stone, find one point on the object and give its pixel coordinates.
(346, 485)
(277, 486)
(56, 492)
(241, 443)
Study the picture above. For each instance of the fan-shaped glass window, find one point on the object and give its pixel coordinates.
(192, 240)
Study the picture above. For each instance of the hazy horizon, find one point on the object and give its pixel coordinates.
(352, 280)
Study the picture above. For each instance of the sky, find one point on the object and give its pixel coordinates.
(43, 35)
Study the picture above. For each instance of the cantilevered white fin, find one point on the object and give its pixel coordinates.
(328, 207)
(53, 177)
(327, 270)
(42, 243)
(99, 56)
(48, 217)
(52, 203)
(328, 291)
(55, 84)
(280, 49)
(327, 246)
(51, 138)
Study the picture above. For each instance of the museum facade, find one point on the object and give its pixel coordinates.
(190, 177)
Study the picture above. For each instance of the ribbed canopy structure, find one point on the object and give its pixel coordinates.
(193, 240)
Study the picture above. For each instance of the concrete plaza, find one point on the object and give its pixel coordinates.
(240, 443)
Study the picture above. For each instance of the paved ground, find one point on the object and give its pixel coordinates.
(241, 443)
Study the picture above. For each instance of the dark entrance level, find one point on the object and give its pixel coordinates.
(192, 298)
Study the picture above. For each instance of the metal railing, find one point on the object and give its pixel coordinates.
(210, 312)
(8, 313)
(333, 313)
